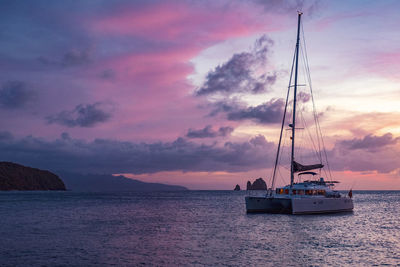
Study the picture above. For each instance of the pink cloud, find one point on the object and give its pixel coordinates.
(385, 64)
(152, 84)
(178, 20)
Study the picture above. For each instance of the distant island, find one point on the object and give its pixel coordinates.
(111, 183)
(18, 177)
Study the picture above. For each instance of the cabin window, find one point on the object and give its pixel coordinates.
(300, 192)
(308, 192)
(277, 190)
(321, 192)
(280, 191)
(286, 191)
(294, 191)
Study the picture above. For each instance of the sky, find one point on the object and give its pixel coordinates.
(192, 92)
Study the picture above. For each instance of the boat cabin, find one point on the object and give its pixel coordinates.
(309, 188)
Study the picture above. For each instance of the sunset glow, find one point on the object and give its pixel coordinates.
(191, 92)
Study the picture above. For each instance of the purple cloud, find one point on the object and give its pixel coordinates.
(73, 57)
(266, 113)
(112, 156)
(208, 132)
(15, 94)
(82, 116)
(238, 74)
(370, 153)
(370, 142)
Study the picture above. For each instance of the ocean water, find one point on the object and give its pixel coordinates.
(191, 228)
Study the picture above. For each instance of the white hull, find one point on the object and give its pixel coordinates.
(321, 205)
(298, 205)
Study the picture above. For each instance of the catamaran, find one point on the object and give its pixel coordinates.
(314, 195)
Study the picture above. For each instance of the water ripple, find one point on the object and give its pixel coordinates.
(191, 228)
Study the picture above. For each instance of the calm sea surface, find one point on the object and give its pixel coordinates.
(191, 228)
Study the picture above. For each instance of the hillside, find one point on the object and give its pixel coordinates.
(18, 177)
(110, 183)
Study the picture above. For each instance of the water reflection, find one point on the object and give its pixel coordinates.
(191, 228)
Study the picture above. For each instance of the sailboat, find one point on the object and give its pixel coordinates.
(314, 195)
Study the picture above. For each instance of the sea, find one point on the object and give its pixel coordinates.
(191, 228)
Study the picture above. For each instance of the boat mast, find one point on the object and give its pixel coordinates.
(294, 99)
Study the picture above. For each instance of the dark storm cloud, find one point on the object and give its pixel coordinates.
(108, 74)
(82, 116)
(209, 132)
(111, 156)
(370, 142)
(266, 113)
(238, 74)
(73, 57)
(15, 94)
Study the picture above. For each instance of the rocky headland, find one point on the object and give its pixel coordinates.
(17, 177)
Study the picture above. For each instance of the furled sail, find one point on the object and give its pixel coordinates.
(297, 167)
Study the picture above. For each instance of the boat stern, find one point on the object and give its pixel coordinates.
(321, 205)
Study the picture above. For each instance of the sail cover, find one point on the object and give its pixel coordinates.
(297, 167)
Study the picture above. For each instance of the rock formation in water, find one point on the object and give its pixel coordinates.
(17, 177)
(237, 188)
(248, 185)
(259, 184)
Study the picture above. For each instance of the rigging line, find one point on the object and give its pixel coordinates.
(279, 173)
(315, 115)
(324, 149)
(286, 168)
(268, 180)
(280, 160)
(316, 146)
(308, 72)
(326, 156)
(311, 139)
(283, 123)
(281, 154)
(285, 153)
(316, 150)
(281, 176)
(329, 178)
(302, 147)
(301, 144)
(312, 97)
